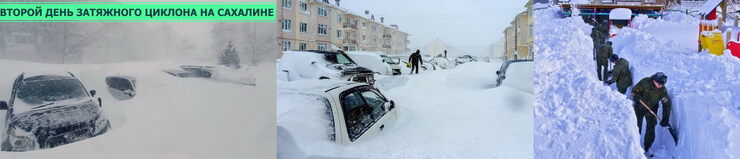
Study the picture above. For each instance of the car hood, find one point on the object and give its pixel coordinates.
(56, 117)
(350, 69)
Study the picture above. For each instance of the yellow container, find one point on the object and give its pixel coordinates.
(715, 43)
(703, 42)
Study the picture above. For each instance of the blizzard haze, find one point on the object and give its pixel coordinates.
(469, 25)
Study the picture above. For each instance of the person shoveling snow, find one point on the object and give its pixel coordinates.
(646, 94)
(621, 73)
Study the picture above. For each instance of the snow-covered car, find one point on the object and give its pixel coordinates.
(442, 62)
(620, 17)
(121, 87)
(356, 111)
(180, 73)
(199, 71)
(374, 61)
(464, 59)
(323, 65)
(393, 62)
(47, 110)
(524, 68)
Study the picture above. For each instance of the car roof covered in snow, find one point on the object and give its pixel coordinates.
(317, 85)
(317, 51)
(49, 72)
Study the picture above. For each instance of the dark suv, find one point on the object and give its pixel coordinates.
(48, 110)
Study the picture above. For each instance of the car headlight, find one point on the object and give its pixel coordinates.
(21, 140)
(101, 126)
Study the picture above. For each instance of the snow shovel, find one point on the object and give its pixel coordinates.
(670, 128)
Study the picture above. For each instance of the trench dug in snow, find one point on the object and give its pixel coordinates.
(577, 116)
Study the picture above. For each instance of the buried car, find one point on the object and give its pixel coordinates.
(376, 62)
(121, 87)
(49, 110)
(323, 65)
(355, 111)
(519, 72)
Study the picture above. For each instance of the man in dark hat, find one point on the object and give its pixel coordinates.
(415, 59)
(621, 73)
(651, 91)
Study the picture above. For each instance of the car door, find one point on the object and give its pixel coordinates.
(384, 116)
(357, 115)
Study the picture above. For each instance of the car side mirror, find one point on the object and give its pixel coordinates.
(390, 105)
(92, 93)
(498, 72)
(3, 105)
(313, 63)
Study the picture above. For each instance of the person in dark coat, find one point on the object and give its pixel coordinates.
(621, 73)
(651, 91)
(415, 59)
(596, 37)
(602, 60)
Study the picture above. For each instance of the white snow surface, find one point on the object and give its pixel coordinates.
(578, 117)
(169, 117)
(453, 113)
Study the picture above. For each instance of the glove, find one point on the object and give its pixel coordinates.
(663, 123)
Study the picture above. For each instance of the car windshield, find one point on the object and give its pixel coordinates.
(43, 91)
(389, 60)
(338, 59)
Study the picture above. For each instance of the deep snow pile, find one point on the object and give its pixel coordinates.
(442, 114)
(169, 117)
(577, 116)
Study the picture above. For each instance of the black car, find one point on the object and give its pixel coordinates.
(502, 71)
(49, 110)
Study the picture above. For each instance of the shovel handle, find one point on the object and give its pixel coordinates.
(648, 108)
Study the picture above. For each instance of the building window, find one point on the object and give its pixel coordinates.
(287, 25)
(288, 4)
(304, 28)
(322, 11)
(321, 47)
(339, 34)
(304, 7)
(339, 18)
(322, 29)
(286, 45)
(301, 46)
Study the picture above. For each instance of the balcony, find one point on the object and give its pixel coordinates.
(387, 46)
(348, 25)
(387, 36)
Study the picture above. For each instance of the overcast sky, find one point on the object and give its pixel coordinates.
(465, 24)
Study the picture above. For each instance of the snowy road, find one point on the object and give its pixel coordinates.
(169, 117)
(443, 114)
(573, 109)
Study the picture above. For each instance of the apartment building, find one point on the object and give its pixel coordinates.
(519, 39)
(323, 25)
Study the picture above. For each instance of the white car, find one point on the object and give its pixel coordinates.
(297, 65)
(375, 61)
(356, 111)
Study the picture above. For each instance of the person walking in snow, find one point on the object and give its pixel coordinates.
(621, 73)
(415, 59)
(651, 91)
(596, 37)
(602, 62)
